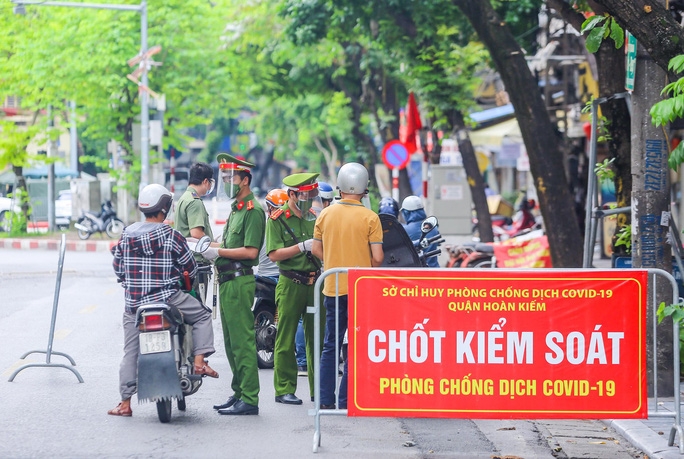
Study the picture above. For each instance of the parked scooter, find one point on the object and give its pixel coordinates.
(523, 221)
(104, 221)
(166, 369)
(265, 320)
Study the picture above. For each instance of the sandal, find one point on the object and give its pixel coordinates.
(118, 411)
(206, 370)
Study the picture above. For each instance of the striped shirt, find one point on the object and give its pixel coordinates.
(149, 261)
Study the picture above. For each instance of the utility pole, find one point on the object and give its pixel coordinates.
(650, 209)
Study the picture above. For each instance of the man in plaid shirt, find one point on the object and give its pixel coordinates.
(149, 261)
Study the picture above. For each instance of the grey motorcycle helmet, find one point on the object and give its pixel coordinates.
(154, 198)
(352, 179)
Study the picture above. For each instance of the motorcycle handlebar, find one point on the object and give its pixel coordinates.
(432, 253)
(435, 239)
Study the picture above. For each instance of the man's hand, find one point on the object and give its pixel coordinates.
(211, 253)
(305, 246)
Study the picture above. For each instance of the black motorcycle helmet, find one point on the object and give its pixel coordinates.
(389, 206)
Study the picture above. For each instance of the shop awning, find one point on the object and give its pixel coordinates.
(494, 135)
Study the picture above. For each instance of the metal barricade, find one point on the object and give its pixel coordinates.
(677, 426)
(653, 273)
(49, 352)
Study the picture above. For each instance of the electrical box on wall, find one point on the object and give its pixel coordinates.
(449, 199)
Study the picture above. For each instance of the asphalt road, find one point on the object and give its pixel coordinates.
(47, 413)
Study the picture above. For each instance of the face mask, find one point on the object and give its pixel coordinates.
(231, 190)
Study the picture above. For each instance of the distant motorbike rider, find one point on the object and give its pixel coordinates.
(149, 261)
(289, 234)
(326, 193)
(389, 206)
(414, 214)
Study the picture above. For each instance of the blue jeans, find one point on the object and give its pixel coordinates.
(300, 345)
(329, 358)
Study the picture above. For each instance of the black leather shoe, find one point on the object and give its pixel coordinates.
(327, 407)
(230, 402)
(288, 399)
(240, 408)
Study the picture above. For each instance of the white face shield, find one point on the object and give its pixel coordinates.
(308, 201)
(230, 178)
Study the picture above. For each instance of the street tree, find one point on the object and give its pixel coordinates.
(543, 148)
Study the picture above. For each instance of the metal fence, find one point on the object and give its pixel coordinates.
(654, 411)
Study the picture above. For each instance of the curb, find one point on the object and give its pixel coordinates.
(54, 244)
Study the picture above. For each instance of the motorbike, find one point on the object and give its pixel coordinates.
(265, 320)
(166, 369)
(470, 255)
(400, 251)
(104, 221)
(523, 221)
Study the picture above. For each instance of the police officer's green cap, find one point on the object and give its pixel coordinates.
(231, 162)
(295, 181)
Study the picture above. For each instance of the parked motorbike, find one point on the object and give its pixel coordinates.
(400, 251)
(166, 369)
(265, 320)
(523, 221)
(104, 221)
(470, 255)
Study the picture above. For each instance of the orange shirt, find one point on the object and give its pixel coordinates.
(346, 230)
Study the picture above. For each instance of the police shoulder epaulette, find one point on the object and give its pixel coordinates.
(250, 205)
(276, 213)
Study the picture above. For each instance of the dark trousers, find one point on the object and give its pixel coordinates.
(329, 358)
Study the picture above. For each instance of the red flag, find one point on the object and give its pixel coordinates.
(412, 124)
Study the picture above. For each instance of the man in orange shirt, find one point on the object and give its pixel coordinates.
(346, 235)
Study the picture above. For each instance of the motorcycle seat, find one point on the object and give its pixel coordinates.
(484, 248)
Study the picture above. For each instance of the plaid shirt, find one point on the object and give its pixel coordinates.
(149, 261)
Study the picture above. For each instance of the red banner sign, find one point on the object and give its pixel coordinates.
(514, 253)
(497, 344)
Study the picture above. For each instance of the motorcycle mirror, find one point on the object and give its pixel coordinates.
(428, 224)
(203, 244)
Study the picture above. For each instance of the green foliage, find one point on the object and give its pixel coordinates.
(605, 170)
(670, 109)
(624, 237)
(602, 123)
(55, 54)
(676, 311)
(600, 28)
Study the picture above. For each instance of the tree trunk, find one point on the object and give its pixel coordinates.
(650, 199)
(546, 161)
(21, 192)
(475, 180)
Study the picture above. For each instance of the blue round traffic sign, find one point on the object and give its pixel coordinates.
(395, 155)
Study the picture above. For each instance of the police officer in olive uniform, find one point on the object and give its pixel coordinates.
(192, 218)
(289, 233)
(243, 236)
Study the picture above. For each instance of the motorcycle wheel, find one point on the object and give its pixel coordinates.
(264, 331)
(114, 228)
(85, 234)
(164, 410)
(181, 404)
(487, 263)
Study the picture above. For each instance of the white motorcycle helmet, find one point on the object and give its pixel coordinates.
(155, 198)
(412, 203)
(352, 179)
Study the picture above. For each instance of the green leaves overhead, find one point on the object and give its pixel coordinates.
(601, 27)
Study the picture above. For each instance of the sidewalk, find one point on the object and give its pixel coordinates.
(649, 435)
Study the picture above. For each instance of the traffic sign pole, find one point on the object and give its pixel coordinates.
(395, 184)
